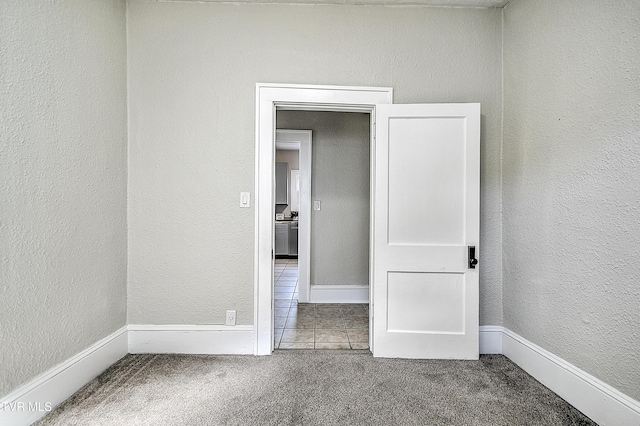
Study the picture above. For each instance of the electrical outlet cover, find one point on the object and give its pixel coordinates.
(231, 317)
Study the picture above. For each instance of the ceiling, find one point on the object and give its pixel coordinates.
(447, 3)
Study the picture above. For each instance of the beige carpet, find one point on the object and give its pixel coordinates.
(313, 388)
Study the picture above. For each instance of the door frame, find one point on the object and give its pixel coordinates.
(301, 139)
(269, 98)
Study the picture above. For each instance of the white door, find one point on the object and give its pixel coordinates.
(427, 171)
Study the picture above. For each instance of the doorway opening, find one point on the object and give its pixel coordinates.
(328, 306)
(293, 201)
(269, 98)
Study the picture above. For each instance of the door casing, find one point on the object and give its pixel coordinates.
(270, 97)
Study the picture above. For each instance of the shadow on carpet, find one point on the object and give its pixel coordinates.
(313, 388)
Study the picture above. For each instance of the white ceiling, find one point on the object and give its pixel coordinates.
(449, 3)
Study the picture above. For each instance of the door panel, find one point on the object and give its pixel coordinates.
(422, 302)
(435, 215)
(425, 299)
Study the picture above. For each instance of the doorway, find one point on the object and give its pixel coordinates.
(290, 97)
(293, 148)
(332, 312)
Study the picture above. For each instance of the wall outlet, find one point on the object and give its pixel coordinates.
(231, 318)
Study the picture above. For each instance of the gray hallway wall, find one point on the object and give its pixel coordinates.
(340, 181)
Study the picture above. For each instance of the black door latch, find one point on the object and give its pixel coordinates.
(472, 257)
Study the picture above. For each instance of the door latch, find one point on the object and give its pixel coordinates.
(472, 257)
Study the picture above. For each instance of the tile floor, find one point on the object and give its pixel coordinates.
(314, 326)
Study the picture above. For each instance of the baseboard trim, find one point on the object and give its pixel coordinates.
(596, 399)
(490, 339)
(339, 294)
(35, 399)
(191, 339)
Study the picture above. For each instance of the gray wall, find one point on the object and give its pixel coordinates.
(340, 181)
(192, 70)
(63, 173)
(571, 182)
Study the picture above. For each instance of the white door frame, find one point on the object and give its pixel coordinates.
(293, 97)
(301, 139)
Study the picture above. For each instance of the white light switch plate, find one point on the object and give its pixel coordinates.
(316, 205)
(245, 199)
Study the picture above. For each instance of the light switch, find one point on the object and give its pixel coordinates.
(245, 199)
(316, 205)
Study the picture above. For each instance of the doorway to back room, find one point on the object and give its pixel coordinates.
(333, 311)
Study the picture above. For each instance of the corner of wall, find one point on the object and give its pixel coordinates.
(128, 137)
(501, 231)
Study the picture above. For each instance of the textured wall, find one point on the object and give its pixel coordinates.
(63, 172)
(192, 74)
(340, 180)
(571, 182)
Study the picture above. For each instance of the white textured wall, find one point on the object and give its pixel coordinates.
(572, 182)
(340, 181)
(63, 172)
(192, 74)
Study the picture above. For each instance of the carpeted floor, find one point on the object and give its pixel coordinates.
(313, 388)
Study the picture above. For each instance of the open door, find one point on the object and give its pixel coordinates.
(427, 173)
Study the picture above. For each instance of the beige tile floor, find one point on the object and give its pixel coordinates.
(314, 326)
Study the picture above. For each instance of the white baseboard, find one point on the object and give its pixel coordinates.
(490, 339)
(599, 401)
(339, 294)
(32, 401)
(191, 339)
